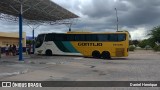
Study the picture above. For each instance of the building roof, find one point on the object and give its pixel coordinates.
(12, 34)
(35, 10)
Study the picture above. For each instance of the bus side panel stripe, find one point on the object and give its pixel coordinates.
(60, 45)
(69, 46)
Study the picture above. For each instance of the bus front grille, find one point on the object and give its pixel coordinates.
(120, 52)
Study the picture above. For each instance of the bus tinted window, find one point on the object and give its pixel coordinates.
(113, 37)
(39, 40)
(70, 37)
(85, 37)
(49, 37)
(60, 37)
(121, 37)
(117, 37)
(90, 37)
(102, 37)
(80, 37)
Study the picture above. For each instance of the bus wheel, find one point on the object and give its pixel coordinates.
(96, 54)
(105, 55)
(48, 53)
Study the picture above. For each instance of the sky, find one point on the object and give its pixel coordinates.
(136, 16)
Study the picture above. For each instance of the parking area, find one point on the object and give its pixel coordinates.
(141, 65)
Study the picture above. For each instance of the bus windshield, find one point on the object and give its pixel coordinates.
(39, 40)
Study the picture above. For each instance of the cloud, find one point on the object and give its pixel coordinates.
(138, 33)
(136, 16)
(142, 12)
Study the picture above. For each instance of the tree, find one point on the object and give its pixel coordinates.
(135, 42)
(130, 42)
(28, 41)
(143, 43)
(154, 36)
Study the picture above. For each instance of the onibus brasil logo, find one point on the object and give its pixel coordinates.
(21, 84)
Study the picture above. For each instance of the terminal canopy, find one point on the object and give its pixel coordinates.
(34, 10)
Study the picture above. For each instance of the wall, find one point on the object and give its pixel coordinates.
(11, 38)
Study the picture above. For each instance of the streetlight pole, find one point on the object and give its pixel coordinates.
(20, 32)
(33, 38)
(117, 18)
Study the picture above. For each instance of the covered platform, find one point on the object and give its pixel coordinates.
(33, 11)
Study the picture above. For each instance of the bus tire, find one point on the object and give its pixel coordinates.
(106, 55)
(48, 52)
(96, 54)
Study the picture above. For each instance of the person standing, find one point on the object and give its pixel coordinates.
(6, 50)
(0, 51)
(14, 50)
(17, 52)
(28, 49)
(10, 50)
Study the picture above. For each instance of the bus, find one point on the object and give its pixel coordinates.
(98, 45)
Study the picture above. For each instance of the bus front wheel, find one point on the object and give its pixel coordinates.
(48, 53)
(96, 54)
(105, 55)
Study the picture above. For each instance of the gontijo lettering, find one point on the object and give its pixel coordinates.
(89, 44)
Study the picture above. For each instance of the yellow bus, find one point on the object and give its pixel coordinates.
(88, 44)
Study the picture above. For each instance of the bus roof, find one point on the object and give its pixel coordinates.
(75, 32)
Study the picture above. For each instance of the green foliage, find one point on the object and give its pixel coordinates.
(131, 48)
(130, 42)
(28, 41)
(154, 36)
(156, 48)
(151, 42)
(144, 43)
(135, 42)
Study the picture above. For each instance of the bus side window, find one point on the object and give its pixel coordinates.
(94, 37)
(102, 37)
(80, 37)
(60, 37)
(49, 37)
(90, 37)
(121, 37)
(113, 37)
(70, 37)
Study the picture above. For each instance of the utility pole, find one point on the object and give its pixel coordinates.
(70, 28)
(33, 38)
(117, 18)
(20, 31)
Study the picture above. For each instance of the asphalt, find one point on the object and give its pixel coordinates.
(141, 65)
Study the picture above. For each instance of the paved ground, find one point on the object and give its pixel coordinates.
(141, 65)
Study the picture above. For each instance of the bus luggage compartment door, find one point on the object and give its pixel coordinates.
(120, 52)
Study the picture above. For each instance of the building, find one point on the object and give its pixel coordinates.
(11, 38)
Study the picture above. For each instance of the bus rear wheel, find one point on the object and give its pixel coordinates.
(96, 54)
(106, 55)
(48, 53)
